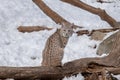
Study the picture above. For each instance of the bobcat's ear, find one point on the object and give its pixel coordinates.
(72, 25)
(63, 24)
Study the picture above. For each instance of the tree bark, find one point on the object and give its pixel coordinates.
(30, 73)
(69, 69)
(102, 13)
(53, 15)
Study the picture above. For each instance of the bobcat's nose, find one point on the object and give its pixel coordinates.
(67, 35)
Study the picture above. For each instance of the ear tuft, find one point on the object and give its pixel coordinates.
(63, 24)
(72, 25)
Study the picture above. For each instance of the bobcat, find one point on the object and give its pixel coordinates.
(54, 48)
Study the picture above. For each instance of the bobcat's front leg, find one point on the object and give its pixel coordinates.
(60, 55)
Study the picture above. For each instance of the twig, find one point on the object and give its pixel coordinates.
(101, 1)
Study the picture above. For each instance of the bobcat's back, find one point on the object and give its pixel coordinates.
(51, 53)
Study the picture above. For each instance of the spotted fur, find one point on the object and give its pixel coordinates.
(54, 48)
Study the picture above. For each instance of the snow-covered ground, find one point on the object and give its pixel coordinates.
(25, 49)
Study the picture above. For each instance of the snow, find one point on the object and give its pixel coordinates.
(79, 47)
(79, 77)
(25, 49)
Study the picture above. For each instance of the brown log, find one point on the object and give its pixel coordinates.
(53, 72)
(52, 14)
(30, 73)
(102, 13)
(32, 28)
(48, 72)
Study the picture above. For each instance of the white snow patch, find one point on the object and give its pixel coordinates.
(78, 77)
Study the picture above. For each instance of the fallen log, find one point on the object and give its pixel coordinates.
(52, 14)
(69, 69)
(102, 13)
(30, 73)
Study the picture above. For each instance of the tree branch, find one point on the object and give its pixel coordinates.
(53, 15)
(81, 32)
(102, 13)
(32, 28)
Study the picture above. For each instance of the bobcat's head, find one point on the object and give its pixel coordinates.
(66, 30)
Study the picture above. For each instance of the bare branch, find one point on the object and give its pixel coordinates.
(97, 11)
(32, 28)
(81, 32)
(53, 15)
